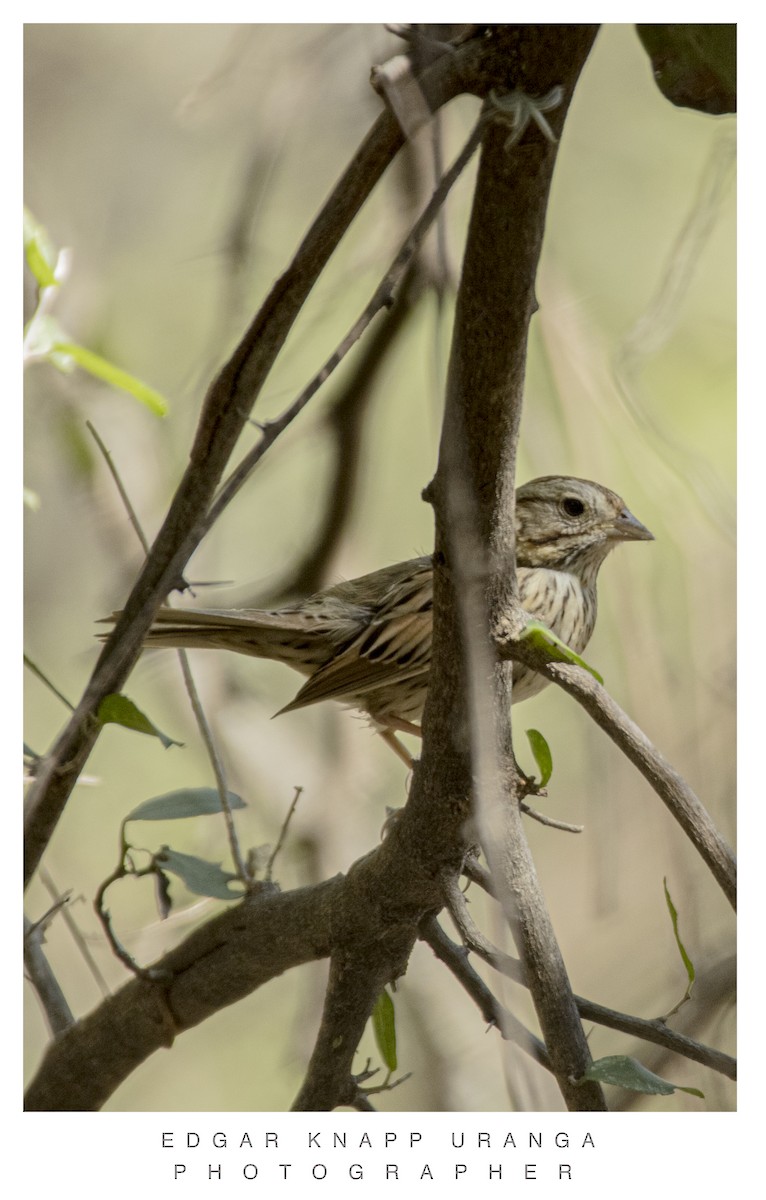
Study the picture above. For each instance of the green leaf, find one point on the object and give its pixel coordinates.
(102, 369)
(201, 877)
(384, 1028)
(695, 66)
(542, 753)
(119, 710)
(40, 252)
(543, 638)
(626, 1072)
(691, 974)
(186, 802)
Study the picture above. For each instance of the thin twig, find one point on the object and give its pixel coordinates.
(33, 667)
(191, 687)
(66, 913)
(282, 833)
(657, 1032)
(455, 957)
(551, 822)
(344, 422)
(105, 917)
(217, 765)
(120, 487)
(382, 298)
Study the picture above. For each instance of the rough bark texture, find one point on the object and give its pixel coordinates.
(367, 921)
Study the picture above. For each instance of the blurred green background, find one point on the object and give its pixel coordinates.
(181, 166)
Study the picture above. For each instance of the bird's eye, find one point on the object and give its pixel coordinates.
(572, 506)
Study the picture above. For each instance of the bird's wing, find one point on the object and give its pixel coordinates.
(396, 646)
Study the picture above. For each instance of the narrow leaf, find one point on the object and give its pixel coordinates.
(384, 1028)
(40, 252)
(542, 753)
(543, 638)
(102, 369)
(201, 877)
(119, 710)
(186, 802)
(626, 1072)
(691, 974)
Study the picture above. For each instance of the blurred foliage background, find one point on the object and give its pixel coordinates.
(181, 166)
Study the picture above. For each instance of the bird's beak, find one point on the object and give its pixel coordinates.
(629, 529)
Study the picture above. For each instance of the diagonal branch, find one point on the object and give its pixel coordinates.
(671, 787)
(456, 958)
(382, 299)
(656, 1031)
(225, 412)
(218, 964)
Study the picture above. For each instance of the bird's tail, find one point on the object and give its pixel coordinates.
(282, 636)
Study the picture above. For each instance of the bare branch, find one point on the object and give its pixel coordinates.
(217, 765)
(456, 958)
(282, 833)
(671, 787)
(474, 491)
(648, 1030)
(72, 926)
(58, 1014)
(381, 299)
(219, 963)
(655, 1031)
(225, 412)
(352, 990)
(660, 1034)
(472, 936)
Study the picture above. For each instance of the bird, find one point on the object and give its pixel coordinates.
(367, 642)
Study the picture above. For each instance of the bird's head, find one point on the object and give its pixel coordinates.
(569, 524)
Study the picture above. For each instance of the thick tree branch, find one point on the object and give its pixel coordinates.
(478, 451)
(219, 963)
(368, 919)
(225, 412)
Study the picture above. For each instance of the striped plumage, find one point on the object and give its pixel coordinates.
(367, 641)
